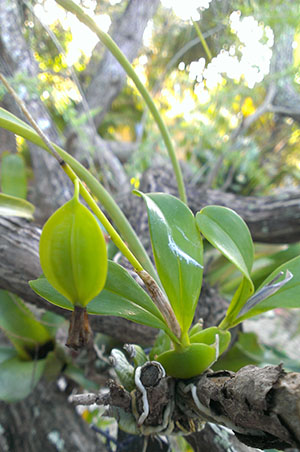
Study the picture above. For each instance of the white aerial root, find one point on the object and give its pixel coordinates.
(141, 388)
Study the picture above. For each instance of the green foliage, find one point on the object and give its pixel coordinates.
(227, 232)
(188, 362)
(286, 297)
(248, 350)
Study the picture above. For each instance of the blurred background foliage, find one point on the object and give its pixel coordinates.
(204, 102)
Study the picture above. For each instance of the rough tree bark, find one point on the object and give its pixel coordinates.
(260, 405)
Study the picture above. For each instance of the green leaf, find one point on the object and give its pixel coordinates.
(228, 232)
(18, 378)
(286, 297)
(13, 175)
(7, 353)
(121, 297)
(268, 290)
(20, 325)
(42, 287)
(10, 206)
(178, 253)
(77, 374)
(208, 336)
(245, 351)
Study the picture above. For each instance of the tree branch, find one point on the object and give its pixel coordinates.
(260, 405)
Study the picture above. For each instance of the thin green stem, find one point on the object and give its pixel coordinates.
(69, 5)
(202, 39)
(100, 215)
(15, 125)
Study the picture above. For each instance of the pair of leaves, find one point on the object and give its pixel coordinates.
(121, 297)
(178, 251)
(227, 232)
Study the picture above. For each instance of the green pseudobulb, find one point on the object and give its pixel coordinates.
(203, 351)
(73, 252)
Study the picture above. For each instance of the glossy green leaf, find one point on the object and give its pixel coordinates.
(73, 252)
(178, 253)
(228, 232)
(286, 297)
(10, 206)
(20, 325)
(121, 297)
(266, 264)
(18, 378)
(13, 175)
